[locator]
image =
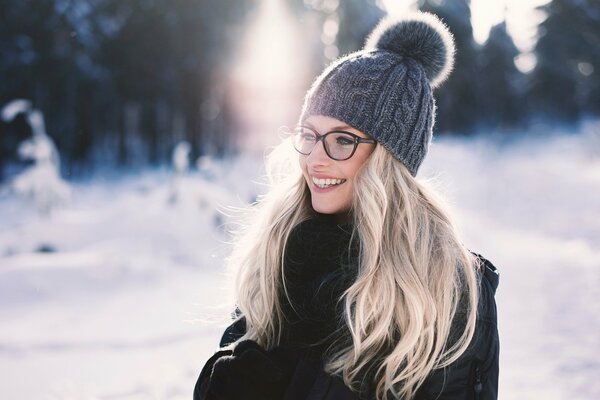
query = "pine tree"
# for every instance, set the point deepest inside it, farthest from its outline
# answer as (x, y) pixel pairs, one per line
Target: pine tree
(357, 19)
(163, 57)
(43, 57)
(344, 26)
(85, 62)
(458, 100)
(502, 83)
(566, 79)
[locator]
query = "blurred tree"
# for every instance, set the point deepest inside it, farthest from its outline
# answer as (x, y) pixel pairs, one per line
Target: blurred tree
(128, 79)
(119, 77)
(163, 59)
(503, 87)
(566, 79)
(458, 100)
(11, 134)
(357, 19)
(343, 25)
(46, 50)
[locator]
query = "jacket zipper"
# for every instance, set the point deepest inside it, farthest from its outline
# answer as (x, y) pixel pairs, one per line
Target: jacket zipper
(477, 385)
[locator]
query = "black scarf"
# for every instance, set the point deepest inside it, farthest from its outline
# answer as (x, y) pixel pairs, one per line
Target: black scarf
(320, 264)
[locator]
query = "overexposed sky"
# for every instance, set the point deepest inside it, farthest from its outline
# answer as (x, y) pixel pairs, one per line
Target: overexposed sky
(520, 15)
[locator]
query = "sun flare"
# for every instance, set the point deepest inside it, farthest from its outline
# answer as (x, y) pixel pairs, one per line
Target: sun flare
(267, 77)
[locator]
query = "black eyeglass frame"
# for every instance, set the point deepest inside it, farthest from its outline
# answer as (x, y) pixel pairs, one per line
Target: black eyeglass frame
(357, 140)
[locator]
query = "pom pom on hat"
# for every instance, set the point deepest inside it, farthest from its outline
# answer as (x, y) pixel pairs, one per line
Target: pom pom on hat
(422, 37)
(385, 89)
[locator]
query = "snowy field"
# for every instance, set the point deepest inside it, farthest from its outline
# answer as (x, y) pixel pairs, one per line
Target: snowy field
(120, 293)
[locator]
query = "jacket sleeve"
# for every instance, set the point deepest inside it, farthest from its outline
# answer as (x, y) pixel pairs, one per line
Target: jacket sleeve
(309, 381)
(486, 371)
(486, 366)
(201, 387)
(232, 333)
(474, 376)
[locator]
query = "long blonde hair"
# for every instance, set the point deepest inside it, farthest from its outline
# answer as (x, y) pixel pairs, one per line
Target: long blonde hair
(413, 272)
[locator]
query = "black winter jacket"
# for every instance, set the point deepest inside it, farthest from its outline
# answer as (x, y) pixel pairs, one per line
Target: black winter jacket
(318, 267)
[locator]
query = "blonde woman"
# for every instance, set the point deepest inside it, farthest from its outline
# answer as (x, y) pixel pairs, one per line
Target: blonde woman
(352, 282)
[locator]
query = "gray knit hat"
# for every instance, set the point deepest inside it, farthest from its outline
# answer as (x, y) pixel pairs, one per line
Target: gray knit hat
(385, 90)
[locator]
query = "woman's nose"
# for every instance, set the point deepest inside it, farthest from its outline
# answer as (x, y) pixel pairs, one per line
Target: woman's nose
(318, 155)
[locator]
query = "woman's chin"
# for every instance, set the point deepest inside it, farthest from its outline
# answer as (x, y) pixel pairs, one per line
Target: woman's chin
(329, 209)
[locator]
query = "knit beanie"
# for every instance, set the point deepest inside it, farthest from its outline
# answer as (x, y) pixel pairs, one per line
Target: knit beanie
(385, 89)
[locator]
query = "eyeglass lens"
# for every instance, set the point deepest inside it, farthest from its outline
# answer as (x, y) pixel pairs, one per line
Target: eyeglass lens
(338, 145)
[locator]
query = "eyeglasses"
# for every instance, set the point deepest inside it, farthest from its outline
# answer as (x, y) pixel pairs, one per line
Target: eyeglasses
(338, 145)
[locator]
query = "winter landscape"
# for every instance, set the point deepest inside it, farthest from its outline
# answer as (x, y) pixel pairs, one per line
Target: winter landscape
(131, 133)
(119, 292)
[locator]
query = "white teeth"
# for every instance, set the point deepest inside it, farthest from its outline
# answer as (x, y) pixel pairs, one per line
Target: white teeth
(323, 183)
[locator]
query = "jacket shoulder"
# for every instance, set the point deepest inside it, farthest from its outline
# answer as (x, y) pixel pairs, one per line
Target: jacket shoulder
(233, 332)
(489, 278)
(475, 372)
(488, 271)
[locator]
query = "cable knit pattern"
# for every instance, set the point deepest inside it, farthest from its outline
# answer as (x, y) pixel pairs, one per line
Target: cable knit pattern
(385, 90)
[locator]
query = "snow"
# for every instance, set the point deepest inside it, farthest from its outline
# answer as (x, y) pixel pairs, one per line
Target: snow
(121, 294)
(181, 157)
(41, 183)
(14, 108)
(532, 207)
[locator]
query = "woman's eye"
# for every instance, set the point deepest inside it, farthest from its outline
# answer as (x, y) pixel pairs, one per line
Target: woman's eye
(344, 140)
(308, 137)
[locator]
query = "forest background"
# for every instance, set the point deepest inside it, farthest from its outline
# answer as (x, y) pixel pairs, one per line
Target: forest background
(132, 131)
(121, 82)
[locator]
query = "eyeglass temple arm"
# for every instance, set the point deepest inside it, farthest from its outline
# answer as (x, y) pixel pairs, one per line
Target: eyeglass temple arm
(365, 140)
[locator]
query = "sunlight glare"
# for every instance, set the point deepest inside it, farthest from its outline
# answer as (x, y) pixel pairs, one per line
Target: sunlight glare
(267, 74)
(484, 15)
(269, 46)
(398, 7)
(525, 62)
(521, 18)
(522, 22)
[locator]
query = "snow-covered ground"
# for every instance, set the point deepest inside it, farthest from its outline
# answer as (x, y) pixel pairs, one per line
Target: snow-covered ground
(120, 294)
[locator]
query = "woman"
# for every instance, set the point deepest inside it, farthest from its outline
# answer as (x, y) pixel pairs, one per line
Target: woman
(352, 283)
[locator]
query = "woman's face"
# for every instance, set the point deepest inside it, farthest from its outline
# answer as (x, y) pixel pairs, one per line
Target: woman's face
(334, 197)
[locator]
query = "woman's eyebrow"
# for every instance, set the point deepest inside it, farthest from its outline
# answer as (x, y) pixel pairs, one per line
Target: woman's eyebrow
(335, 128)
(349, 129)
(341, 127)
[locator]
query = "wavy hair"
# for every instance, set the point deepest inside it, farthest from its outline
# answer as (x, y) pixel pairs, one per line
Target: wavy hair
(414, 276)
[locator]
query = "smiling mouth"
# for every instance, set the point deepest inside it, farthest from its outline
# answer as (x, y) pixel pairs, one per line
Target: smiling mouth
(325, 183)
